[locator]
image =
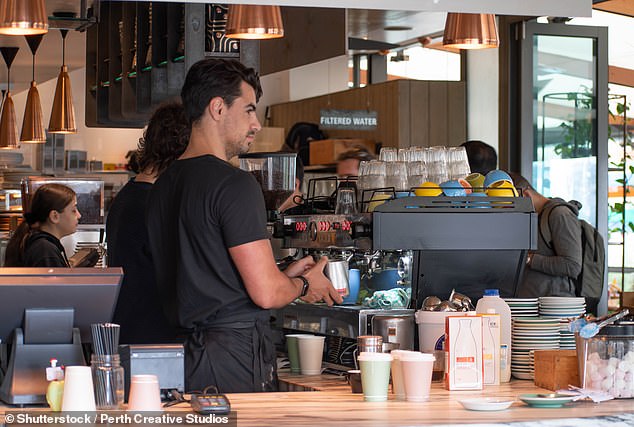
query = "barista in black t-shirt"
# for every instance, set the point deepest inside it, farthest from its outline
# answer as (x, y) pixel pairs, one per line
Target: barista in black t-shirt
(207, 226)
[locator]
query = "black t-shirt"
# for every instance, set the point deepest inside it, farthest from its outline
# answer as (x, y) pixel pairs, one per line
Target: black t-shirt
(197, 209)
(42, 249)
(139, 310)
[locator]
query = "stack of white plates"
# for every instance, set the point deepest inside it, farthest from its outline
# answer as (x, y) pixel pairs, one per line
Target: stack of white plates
(531, 333)
(566, 338)
(523, 307)
(563, 308)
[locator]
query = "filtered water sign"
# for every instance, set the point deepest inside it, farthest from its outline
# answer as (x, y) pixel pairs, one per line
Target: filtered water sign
(348, 119)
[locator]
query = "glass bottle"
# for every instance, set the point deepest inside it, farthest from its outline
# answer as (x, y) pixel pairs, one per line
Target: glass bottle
(107, 376)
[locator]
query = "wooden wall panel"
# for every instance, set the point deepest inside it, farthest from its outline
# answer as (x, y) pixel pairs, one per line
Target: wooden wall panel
(437, 119)
(310, 35)
(456, 114)
(410, 112)
(419, 114)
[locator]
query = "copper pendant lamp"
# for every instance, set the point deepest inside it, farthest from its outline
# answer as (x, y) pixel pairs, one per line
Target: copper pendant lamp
(63, 113)
(33, 123)
(470, 31)
(23, 17)
(254, 22)
(8, 123)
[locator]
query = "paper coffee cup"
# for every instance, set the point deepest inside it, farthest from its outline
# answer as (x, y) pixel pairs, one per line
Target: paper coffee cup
(79, 394)
(375, 375)
(417, 370)
(292, 349)
(398, 387)
(311, 351)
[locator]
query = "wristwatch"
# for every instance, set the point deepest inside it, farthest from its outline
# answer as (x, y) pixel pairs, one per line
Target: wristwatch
(304, 286)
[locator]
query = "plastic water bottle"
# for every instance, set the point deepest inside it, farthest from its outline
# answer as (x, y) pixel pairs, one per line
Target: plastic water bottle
(492, 301)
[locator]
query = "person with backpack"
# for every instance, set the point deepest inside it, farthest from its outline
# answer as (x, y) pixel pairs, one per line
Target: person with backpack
(556, 264)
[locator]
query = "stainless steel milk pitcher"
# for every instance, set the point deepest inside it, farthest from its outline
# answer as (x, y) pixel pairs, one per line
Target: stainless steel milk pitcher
(337, 271)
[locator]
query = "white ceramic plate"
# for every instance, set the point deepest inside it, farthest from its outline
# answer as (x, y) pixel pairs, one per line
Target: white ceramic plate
(486, 404)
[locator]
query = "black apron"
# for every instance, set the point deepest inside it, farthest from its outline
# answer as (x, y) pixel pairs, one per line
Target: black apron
(236, 357)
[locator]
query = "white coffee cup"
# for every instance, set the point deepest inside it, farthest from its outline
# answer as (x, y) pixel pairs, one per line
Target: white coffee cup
(145, 394)
(311, 351)
(398, 386)
(78, 393)
(417, 370)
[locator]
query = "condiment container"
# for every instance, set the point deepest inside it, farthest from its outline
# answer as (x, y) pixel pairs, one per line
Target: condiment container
(609, 363)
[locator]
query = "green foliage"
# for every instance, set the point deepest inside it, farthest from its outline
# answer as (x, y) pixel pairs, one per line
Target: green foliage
(577, 133)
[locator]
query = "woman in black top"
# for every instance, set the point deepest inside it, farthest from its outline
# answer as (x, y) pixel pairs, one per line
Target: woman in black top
(36, 242)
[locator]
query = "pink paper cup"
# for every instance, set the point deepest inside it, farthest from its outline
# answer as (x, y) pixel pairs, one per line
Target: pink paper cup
(417, 371)
(145, 394)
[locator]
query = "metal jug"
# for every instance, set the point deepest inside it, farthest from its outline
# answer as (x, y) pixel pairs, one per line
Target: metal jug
(337, 271)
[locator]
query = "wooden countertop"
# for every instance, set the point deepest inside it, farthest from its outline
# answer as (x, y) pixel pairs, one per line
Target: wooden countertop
(334, 405)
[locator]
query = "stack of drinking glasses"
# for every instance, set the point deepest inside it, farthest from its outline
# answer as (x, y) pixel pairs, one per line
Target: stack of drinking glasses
(401, 170)
(106, 367)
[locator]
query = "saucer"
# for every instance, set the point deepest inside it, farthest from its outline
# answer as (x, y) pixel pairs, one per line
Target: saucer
(536, 401)
(486, 404)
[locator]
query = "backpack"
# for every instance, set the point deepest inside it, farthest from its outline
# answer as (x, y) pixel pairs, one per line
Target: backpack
(589, 283)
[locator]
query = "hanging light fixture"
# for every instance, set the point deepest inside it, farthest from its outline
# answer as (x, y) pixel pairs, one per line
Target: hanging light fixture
(63, 113)
(23, 17)
(470, 31)
(254, 22)
(8, 124)
(33, 123)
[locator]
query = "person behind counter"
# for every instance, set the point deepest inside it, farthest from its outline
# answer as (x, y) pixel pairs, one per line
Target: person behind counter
(481, 156)
(36, 241)
(139, 310)
(551, 269)
(214, 265)
(348, 161)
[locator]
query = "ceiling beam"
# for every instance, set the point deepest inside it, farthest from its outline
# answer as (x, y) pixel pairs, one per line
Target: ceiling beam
(569, 8)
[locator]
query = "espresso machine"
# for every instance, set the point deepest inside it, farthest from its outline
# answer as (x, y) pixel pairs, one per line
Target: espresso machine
(319, 231)
(425, 245)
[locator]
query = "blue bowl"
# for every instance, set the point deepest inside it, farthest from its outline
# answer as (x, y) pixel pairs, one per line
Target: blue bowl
(453, 188)
(496, 175)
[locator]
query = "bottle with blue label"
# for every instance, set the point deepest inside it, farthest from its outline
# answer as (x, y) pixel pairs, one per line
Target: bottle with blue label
(492, 301)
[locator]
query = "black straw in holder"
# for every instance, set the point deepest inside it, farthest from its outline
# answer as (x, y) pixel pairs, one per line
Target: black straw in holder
(107, 371)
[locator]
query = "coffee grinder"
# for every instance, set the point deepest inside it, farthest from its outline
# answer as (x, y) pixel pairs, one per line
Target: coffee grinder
(275, 172)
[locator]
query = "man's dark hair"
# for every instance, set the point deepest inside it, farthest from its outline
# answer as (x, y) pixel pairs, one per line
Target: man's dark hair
(213, 77)
(359, 153)
(164, 139)
(482, 157)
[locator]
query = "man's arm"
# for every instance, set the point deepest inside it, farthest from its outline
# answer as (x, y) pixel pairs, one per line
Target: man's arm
(268, 287)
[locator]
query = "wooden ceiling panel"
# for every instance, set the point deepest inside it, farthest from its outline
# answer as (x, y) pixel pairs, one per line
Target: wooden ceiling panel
(622, 7)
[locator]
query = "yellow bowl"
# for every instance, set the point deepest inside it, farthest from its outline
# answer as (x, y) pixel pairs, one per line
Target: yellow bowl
(501, 189)
(428, 189)
(377, 200)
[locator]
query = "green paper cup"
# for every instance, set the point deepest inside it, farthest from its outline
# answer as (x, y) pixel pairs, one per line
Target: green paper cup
(293, 352)
(375, 375)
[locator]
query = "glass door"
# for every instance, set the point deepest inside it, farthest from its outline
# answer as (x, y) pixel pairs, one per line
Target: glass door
(564, 116)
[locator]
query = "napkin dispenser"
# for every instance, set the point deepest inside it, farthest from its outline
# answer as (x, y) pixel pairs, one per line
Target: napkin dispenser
(166, 361)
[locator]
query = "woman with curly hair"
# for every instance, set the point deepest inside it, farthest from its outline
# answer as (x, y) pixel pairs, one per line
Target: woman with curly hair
(139, 310)
(36, 242)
